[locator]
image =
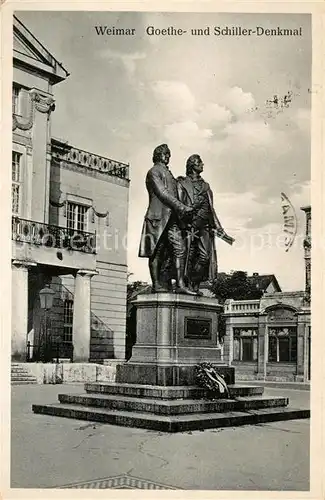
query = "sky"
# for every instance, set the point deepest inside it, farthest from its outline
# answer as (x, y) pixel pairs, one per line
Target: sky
(200, 94)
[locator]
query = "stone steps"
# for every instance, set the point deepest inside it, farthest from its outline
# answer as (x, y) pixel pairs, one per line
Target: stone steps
(171, 423)
(169, 392)
(23, 382)
(171, 407)
(21, 375)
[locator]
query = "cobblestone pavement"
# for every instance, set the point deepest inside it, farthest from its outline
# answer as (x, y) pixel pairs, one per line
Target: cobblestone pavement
(53, 452)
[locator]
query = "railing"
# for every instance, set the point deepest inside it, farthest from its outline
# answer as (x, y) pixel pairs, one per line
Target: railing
(89, 160)
(96, 324)
(99, 329)
(49, 352)
(47, 235)
(242, 306)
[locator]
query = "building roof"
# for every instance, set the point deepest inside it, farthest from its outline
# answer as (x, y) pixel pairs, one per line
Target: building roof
(263, 281)
(260, 281)
(30, 53)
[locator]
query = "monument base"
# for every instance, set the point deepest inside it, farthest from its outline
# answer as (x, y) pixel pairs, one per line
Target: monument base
(176, 329)
(157, 390)
(165, 375)
(174, 333)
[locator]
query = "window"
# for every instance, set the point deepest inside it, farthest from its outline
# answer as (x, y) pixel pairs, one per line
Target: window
(15, 99)
(282, 345)
(77, 216)
(245, 344)
(67, 320)
(16, 183)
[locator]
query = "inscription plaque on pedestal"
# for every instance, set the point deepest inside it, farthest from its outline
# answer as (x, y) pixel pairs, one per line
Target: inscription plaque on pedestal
(197, 328)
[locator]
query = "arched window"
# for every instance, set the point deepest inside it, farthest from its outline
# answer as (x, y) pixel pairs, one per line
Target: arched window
(245, 344)
(282, 345)
(282, 335)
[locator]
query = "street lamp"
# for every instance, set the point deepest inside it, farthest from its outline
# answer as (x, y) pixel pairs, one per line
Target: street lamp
(46, 298)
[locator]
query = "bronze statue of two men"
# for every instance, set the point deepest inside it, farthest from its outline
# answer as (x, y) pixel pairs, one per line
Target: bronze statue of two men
(178, 234)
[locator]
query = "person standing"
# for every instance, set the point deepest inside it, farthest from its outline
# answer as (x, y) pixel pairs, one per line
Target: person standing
(201, 257)
(162, 240)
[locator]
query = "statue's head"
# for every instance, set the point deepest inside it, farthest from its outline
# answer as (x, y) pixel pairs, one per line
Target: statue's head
(194, 164)
(161, 154)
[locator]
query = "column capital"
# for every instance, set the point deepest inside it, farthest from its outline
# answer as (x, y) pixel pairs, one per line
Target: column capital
(43, 102)
(87, 272)
(23, 263)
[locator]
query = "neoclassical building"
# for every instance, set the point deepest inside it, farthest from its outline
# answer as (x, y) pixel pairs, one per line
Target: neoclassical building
(270, 338)
(69, 225)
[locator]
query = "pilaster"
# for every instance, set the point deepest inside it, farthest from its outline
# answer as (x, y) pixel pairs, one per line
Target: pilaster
(262, 347)
(302, 357)
(228, 346)
(43, 104)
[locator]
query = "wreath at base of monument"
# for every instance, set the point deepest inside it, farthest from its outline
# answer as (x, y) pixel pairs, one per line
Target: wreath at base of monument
(209, 379)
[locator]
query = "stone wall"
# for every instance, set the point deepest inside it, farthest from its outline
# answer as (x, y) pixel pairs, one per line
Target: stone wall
(65, 373)
(277, 372)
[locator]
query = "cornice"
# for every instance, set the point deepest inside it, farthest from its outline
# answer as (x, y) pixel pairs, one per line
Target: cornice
(81, 169)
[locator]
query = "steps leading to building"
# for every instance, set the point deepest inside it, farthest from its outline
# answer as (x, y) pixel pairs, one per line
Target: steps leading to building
(21, 375)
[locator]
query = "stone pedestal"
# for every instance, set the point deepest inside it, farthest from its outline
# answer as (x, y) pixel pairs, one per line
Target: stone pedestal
(174, 333)
(157, 390)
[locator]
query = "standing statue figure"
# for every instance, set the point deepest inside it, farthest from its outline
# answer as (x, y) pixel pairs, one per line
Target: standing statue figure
(201, 257)
(162, 239)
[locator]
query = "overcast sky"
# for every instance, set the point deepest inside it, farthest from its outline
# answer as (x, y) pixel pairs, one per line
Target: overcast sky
(206, 95)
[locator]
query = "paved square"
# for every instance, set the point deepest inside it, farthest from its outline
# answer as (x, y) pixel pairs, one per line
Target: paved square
(53, 452)
(120, 482)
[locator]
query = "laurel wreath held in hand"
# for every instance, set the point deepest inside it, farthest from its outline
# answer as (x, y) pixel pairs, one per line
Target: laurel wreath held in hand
(207, 377)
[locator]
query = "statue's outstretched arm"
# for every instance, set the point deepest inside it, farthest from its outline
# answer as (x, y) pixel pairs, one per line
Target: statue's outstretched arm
(221, 233)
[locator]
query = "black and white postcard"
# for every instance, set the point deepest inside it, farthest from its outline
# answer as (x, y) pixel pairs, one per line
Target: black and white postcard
(163, 231)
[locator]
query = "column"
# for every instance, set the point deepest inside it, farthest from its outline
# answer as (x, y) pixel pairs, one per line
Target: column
(301, 350)
(19, 304)
(228, 345)
(262, 348)
(81, 316)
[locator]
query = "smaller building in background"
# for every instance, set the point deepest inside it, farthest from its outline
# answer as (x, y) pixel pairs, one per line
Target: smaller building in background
(270, 338)
(266, 283)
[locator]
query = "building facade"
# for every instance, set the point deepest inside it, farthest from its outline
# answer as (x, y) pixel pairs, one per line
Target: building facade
(69, 226)
(270, 338)
(307, 250)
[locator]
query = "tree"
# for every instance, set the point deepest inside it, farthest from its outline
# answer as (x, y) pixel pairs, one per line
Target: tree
(131, 318)
(133, 287)
(235, 286)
